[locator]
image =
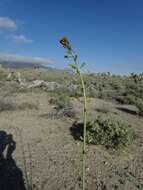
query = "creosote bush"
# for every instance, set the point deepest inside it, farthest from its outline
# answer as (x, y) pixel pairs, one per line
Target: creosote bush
(110, 133)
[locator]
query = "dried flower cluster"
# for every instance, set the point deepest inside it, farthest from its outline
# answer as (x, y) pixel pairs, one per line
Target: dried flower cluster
(66, 44)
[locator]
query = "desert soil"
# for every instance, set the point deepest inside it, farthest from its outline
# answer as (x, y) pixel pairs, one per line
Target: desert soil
(46, 148)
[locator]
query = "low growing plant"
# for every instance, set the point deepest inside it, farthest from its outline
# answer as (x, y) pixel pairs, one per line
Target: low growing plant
(110, 133)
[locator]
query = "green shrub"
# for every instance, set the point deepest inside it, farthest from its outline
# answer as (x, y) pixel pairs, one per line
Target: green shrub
(104, 108)
(110, 133)
(130, 99)
(107, 94)
(134, 89)
(139, 104)
(126, 99)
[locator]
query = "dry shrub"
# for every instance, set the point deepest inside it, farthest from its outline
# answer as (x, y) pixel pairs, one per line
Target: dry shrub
(63, 106)
(7, 105)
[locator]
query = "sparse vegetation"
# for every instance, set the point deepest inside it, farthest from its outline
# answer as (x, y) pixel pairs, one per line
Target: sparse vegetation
(111, 87)
(66, 124)
(112, 91)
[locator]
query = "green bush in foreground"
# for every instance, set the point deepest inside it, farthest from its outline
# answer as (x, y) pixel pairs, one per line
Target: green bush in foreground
(110, 133)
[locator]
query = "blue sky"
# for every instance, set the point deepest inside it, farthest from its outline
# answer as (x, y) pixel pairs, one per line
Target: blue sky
(107, 34)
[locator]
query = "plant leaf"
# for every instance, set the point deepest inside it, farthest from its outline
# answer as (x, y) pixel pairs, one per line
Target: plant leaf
(73, 66)
(75, 58)
(82, 65)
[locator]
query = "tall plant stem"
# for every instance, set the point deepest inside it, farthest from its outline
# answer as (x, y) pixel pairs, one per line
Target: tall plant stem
(72, 54)
(84, 131)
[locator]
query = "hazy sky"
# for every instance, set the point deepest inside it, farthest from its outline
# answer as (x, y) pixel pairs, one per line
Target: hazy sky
(108, 34)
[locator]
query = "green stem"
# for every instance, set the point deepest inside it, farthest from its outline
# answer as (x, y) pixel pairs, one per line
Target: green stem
(84, 130)
(84, 121)
(72, 54)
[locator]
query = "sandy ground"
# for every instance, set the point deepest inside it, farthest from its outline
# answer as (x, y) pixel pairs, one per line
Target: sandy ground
(46, 148)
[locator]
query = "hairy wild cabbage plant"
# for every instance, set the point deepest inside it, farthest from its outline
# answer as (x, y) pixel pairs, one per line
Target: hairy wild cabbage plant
(71, 54)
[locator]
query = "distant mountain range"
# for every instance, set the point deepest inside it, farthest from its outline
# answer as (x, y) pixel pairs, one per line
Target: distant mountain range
(21, 65)
(19, 62)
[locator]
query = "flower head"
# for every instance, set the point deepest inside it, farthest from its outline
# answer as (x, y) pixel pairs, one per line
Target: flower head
(65, 42)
